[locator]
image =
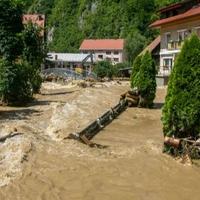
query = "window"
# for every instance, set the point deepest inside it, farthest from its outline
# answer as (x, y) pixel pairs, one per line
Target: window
(197, 30)
(100, 56)
(167, 37)
(167, 63)
(183, 34)
(116, 59)
(116, 52)
(108, 52)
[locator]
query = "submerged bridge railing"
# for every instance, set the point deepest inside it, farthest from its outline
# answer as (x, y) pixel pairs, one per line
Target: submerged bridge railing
(68, 74)
(87, 134)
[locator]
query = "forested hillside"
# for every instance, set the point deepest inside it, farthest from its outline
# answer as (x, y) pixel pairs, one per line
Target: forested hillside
(73, 20)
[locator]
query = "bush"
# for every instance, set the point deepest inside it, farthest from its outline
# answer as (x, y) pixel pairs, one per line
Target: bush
(7, 75)
(15, 82)
(181, 112)
(105, 69)
(144, 79)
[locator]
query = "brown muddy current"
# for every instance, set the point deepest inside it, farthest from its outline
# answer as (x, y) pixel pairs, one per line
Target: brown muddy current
(41, 165)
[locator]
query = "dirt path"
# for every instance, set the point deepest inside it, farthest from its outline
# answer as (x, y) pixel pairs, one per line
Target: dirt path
(131, 167)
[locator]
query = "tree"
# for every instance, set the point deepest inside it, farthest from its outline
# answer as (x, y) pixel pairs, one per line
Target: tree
(10, 28)
(21, 54)
(145, 79)
(15, 82)
(104, 69)
(135, 70)
(33, 53)
(135, 42)
(181, 111)
(75, 20)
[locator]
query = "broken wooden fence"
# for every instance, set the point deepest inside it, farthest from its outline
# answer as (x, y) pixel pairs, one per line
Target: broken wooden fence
(87, 134)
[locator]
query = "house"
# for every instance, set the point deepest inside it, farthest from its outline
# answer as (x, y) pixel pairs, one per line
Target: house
(36, 19)
(69, 60)
(105, 49)
(177, 22)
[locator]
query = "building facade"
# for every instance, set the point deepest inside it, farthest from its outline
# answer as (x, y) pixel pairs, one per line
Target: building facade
(105, 49)
(69, 61)
(177, 23)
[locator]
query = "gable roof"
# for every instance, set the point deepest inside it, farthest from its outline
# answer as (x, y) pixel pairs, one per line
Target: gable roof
(190, 13)
(103, 44)
(152, 45)
(68, 57)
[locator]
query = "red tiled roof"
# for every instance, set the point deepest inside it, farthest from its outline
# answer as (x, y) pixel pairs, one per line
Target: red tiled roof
(104, 44)
(190, 13)
(37, 19)
(152, 46)
(170, 7)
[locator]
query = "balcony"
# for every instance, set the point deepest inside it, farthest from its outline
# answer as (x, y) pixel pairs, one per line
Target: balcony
(164, 71)
(175, 45)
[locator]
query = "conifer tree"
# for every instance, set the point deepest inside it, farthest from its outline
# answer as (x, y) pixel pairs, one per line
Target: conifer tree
(145, 79)
(135, 70)
(181, 112)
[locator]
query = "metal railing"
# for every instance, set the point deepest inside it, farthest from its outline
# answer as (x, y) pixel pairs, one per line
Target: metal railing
(175, 45)
(164, 70)
(69, 74)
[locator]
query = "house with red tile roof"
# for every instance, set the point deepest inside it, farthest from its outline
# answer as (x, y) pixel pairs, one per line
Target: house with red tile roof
(105, 49)
(36, 19)
(177, 22)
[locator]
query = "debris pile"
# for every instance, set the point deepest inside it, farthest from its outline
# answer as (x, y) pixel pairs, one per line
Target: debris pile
(184, 146)
(132, 98)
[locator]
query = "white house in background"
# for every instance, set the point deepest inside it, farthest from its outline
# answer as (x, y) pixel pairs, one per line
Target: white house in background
(69, 60)
(105, 49)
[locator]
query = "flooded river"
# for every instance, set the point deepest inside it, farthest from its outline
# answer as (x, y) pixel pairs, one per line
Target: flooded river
(131, 165)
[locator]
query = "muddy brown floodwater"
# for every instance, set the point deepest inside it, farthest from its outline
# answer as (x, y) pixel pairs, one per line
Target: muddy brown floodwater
(40, 165)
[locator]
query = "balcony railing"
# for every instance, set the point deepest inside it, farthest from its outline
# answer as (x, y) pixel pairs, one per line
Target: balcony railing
(164, 70)
(175, 45)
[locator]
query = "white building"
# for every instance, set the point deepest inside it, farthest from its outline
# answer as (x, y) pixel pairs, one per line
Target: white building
(105, 49)
(69, 60)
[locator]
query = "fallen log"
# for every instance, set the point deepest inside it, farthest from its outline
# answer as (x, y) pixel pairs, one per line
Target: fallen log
(132, 102)
(123, 96)
(132, 96)
(172, 142)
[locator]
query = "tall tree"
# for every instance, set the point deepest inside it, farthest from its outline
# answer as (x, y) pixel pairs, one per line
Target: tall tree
(181, 111)
(10, 27)
(145, 79)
